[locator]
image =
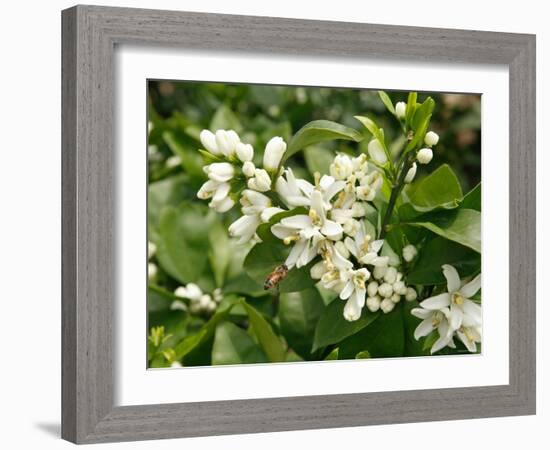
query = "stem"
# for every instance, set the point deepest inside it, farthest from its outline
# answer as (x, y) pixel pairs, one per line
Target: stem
(396, 190)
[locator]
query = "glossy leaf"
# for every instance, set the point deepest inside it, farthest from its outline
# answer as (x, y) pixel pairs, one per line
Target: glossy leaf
(440, 189)
(299, 313)
(333, 328)
(439, 251)
(319, 131)
(472, 200)
(318, 159)
(460, 225)
(387, 101)
(270, 343)
(233, 345)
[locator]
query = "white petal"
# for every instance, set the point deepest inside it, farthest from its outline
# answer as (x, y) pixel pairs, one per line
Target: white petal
(295, 253)
(472, 310)
(221, 192)
(305, 186)
(268, 213)
(297, 222)
(352, 311)
(281, 231)
(351, 246)
(421, 313)
(440, 343)
(470, 345)
(470, 289)
(423, 329)
(453, 280)
(333, 189)
(437, 302)
(375, 246)
(317, 204)
(347, 291)
(455, 318)
(331, 229)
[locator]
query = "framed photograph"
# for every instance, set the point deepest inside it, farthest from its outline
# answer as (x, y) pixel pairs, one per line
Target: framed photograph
(277, 224)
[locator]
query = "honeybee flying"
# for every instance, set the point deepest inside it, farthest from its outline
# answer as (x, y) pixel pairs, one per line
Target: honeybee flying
(275, 277)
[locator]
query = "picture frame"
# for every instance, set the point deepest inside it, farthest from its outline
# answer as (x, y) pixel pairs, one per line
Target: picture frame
(89, 37)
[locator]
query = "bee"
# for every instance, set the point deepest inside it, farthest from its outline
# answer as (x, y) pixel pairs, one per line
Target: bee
(275, 277)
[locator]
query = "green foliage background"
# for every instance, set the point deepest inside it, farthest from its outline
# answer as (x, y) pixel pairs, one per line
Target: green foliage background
(249, 324)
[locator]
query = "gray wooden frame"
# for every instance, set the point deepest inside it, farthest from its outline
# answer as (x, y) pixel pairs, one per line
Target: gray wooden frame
(90, 34)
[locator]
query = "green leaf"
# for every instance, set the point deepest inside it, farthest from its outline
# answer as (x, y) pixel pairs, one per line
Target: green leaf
(440, 189)
(421, 114)
(159, 299)
(472, 200)
(266, 256)
(377, 133)
(232, 345)
(299, 313)
(384, 338)
(387, 101)
(219, 253)
(333, 328)
(318, 159)
(225, 119)
(183, 240)
(319, 131)
(411, 107)
(459, 225)
(191, 160)
(439, 251)
(269, 341)
(387, 250)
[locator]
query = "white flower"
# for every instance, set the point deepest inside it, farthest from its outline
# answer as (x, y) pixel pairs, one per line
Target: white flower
(399, 287)
(273, 154)
(387, 305)
(431, 139)
(372, 289)
(463, 311)
(400, 109)
(260, 182)
(151, 249)
(328, 187)
(227, 141)
(221, 201)
(290, 191)
(342, 167)
(369, 184)
(434, 320)
(307, 231)
(365, 250)
(373, 303)
(340, 247)
(245, 152)
(244, 227)
(351, 227)
(249, 169)
(411, 173)
(173, 161)
(410, 295)
(409, 252)
(376, 151)
(379, 272)
(220, 172)
(469, 336)
(333, 270)
(354, 292)
(208, 140)
(424, 155)
(178, 305)
(253, 202)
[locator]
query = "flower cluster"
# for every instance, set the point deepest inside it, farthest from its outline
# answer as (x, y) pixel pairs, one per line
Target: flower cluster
(199, 301)
(451, 313)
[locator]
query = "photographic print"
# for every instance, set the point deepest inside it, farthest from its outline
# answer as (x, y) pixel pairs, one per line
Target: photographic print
(292, 223)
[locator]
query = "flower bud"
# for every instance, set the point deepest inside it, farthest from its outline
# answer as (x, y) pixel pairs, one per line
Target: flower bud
(376, 151)
(226, 142)
(379, 272)
(365, 193)
(245, 152)
(373, 303)
(409, 252)
(223, 206)
(204, 301)
(248, 169)
(352, 311)
(342, 167)
(431, 139)
(220, 172)
(208, 141)
(410, 295)
(395, 297)
(385, 290)
(273, 154)
(358, 210)
(351, 227)
(424, 155)
(387, 306)
(372, 289)
(400, 109)
(391, 275)
(151, 249)
(399, 288)
(410, 174)
(151, 270)
(260, 182)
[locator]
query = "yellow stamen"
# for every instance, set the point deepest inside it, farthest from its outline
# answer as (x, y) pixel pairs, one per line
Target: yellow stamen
(457, 298)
